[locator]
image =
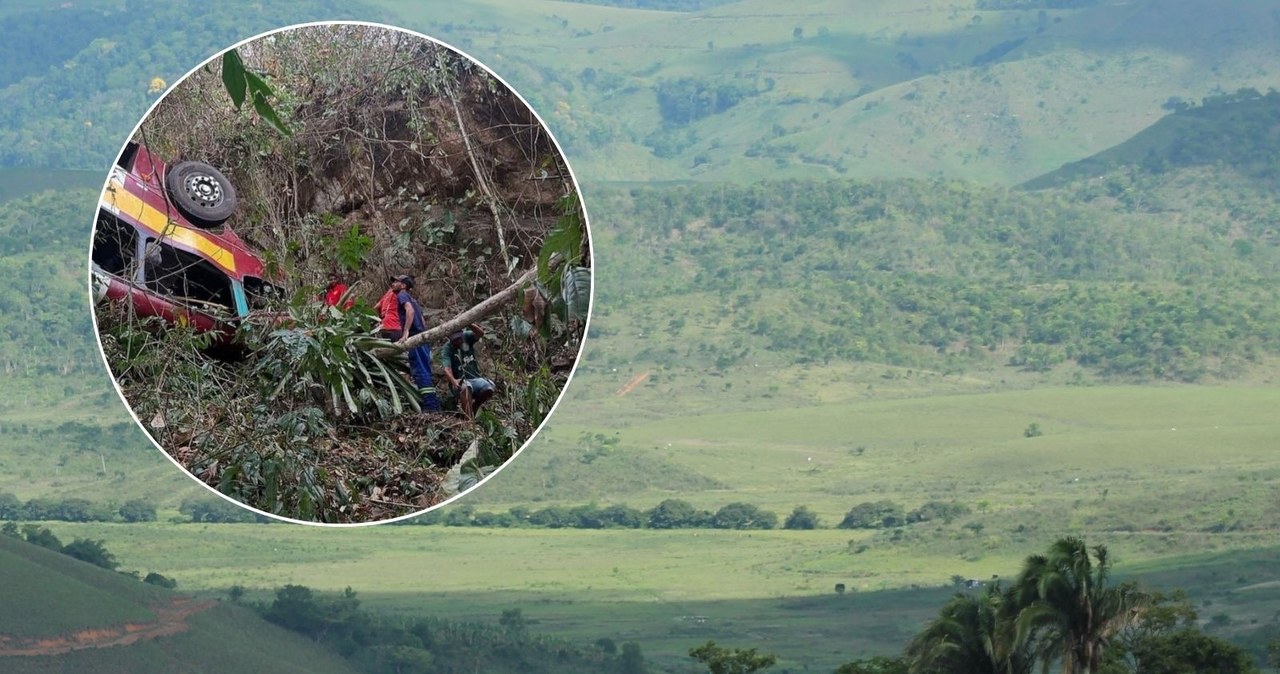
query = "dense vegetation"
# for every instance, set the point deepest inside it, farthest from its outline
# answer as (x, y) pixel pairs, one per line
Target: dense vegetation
(1063, 609)
(56, 93)
(45, 327)
(943, 275)
(1236, 130)
(376, 643)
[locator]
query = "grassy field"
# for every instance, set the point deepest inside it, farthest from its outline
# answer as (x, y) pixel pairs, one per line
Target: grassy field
(60, 438)
(1104, 467)
(668, 590)
(1105, 451)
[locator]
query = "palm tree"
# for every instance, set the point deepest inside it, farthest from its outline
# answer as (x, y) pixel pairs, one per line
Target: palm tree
(970, 636)
(1065, 609)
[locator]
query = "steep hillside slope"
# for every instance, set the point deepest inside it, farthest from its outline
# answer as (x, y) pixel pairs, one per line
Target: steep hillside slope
(78, 617)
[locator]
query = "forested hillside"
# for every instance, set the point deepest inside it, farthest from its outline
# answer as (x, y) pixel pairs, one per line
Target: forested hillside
(56, 94)
(945, 275)
(62, 429)
(43, 309)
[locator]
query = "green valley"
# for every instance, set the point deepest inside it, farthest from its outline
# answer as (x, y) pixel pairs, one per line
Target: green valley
(1017, 262)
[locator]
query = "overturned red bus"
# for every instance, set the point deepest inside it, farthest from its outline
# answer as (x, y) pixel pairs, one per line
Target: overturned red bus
(160, 245)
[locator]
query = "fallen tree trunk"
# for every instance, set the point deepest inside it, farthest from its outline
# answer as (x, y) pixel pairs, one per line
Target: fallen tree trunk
(480, 311)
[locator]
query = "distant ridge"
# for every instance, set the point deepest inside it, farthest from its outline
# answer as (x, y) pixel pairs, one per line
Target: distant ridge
(1240, 130)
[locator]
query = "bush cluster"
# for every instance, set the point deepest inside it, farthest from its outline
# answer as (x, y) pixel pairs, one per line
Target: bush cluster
(680, 514)
(75, 510)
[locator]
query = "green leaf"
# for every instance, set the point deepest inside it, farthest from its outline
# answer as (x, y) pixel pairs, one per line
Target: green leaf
(268, 113)
(233, 77)
(257, 85)
(351, 403)
(353, 247)
(396, 406)
(575, 290)
(565, 239)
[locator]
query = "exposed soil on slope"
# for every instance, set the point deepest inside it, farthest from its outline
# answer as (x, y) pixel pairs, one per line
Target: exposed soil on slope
(171, 619)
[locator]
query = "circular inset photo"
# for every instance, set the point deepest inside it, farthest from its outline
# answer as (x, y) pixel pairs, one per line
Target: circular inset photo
(341, 273)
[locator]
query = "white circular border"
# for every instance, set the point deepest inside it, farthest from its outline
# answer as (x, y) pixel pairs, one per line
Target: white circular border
(585, 328)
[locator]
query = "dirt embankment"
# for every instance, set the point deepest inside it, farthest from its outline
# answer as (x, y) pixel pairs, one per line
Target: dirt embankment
(171, 619)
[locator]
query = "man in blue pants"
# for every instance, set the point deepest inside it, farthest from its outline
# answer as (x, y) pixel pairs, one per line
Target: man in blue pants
(411, 323)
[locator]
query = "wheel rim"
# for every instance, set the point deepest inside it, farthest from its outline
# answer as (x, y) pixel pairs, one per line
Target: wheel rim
(203, 189)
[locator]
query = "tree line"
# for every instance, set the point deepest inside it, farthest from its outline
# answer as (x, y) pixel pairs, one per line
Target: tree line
(669, 514)
(76, 509)
(680, 514)
(375, 643)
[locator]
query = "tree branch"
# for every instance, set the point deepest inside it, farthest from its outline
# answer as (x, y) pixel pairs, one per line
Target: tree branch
(476, 313)
(481, 180)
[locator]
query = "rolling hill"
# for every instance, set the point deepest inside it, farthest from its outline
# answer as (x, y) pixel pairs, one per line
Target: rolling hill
(919, 88)
(78, 617)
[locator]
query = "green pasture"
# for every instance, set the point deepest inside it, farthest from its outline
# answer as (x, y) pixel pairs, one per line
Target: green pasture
(59, 594)
(668, 590)
(1115, 449)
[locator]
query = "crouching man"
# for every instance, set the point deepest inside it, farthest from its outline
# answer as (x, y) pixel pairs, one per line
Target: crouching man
(463, 372)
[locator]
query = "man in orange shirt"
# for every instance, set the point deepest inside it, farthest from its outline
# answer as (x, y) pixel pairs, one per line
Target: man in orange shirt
(389, 311)
(409, 318)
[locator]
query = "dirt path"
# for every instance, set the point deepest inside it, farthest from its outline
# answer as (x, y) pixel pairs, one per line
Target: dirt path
(171, 619)
(635, 381)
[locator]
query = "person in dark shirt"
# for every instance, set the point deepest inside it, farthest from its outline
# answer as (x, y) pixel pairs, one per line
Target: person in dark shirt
(411, 323)
(463, 372)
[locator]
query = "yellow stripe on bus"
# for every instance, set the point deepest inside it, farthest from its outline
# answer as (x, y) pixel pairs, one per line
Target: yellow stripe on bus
(122, 201)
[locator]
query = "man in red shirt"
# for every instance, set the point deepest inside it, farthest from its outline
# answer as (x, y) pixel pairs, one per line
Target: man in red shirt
(334, 292)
